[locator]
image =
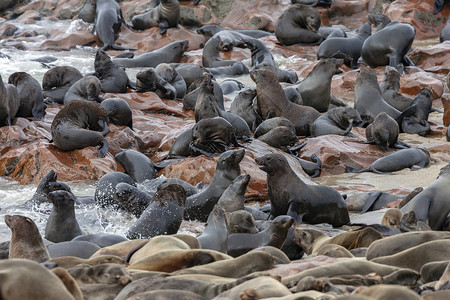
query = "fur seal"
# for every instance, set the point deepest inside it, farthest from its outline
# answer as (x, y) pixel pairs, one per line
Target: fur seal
(108, 20)
(298, 24)
(274, 235)
(148, 80)
(242, 106)
(168, 54)
(338, 121)
(155, 245)
(113, 79)
(181, 145)
(215, 234)
(57, 81)
(368, 100)
(26, 241)
(199, 206)
(132, 199)
(289, 195)
(80, 124)
(190, 99)
(9, 103)
(415, 117)
(430, 205)
(30, 95)
(272, 102)
(137, 165)
(348, 49)
(171, 75)
(107, 273)
(392, 291)
(272, 123)
(241, 221)
(81, 249)
(106, 188)
(211, 29)
(221, 42)
(233, 197)
(189, 188)
(388, 46)
(87, 13)
(445, 32)
(390, 90)
(119, 111)
(396, 161)
(409, 223)
(280, 137)
(101, 239)
(383, 132)
(392, 217)
(62, 224)
(205, 106)
(163, 214)
(333, 250)
(165, 15)
(87, 88)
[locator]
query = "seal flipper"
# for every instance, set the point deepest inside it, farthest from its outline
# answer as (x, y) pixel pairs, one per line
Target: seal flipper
(373, 197)
(163, 26)
(401, 145)
(349, 169)
(104, 146)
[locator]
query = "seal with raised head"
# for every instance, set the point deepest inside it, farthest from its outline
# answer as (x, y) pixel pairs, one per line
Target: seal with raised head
(163, 214)
(415, 117)
(113, 79)
(233, 197)
(9, 103)
(396, 161)
(289, 195)
(368, 100)
(409, 223)
(431, 205)
(388, 46)
(80, 124)
(166, 15)
(205, 106)
(348, 49)
(199, 206)
(119, 111)
(170, 53)
(390, 90)
(57, 81)
(87, 88)
(383, 132)
(299, 24)
(242, 106)
(30, 95)
(338, 121)
(62, 224)
(108, 20)
(215, 234)
(274, 235)
(26, 241)
(272, 102)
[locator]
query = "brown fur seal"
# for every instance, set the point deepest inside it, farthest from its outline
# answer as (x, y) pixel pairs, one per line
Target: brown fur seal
(368, 100)
(233, 197)
(263, 287)
(241, 221)
(274, 235)
(87, 13)
(431, 205)
(289, 195)
(166, 15)
(215, 234)
(272, 123)
(205, 106)
(390, 90)
(390, 291)
(333, 250)
(171, 75)
(113, 79)
(57, 81)
(26, 241)
(156, 244)
(383, 131)
(69, 282)
(415, 117)
(193, 92)
(87, 88)
(315, 89)
(107, 273)
(335, 121)
(62, 224)
(409, 223)
(80, 124)
(119, 111)
(163, 214)
(272, 102)
(105, 191)
(68, 262)
(121, 250)
(149, 80)
(137, 165)
(280, 137)
(9, 103)
(30, 95)
(298, 24)
(392, 217)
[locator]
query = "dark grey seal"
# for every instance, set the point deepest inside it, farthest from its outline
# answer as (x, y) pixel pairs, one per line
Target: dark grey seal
(119, 111)
(415, 117)
(57, 81)
(30, 95)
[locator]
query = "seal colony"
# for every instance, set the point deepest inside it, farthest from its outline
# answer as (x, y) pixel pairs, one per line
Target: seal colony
(281, 250)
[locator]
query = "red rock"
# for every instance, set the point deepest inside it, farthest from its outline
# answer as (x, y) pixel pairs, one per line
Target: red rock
(433, 59)
(410, 84)
(446, 103)
(67, 41)
(29, 17)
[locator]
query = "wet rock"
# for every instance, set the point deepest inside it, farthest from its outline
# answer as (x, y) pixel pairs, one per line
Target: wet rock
(8, 30)
(433, 59)
(69, 40)
(29, 17)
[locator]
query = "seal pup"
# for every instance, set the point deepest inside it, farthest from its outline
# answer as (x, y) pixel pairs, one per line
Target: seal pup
(30, 95)
(62, 224)
(233, 197)
(243, 106)
(289, 195)
(298, 24)
(338, 121)
(272, 102)
(9, 103)
(272, 123)
(383, 132)
(211, 29)
(171, 75)
(409, 223)
(26, 241)
(348, 49)
(57, 81)
(389, 45)
(105, 190)
(137, 165)
(164, 16)
(80, 124)
(163, 214)
(119, 112)
(241, 221)
(108, 20)
(215, 234)
(392, 217)
(415, 117)
(200, 205)
(396, 161)
(274, 235)
(368, 100)
(281, 137)
(131, 199)
(431, 205)
(170, 53)
(112, 78)
(87, 88)
(149, 80)
(390, 90)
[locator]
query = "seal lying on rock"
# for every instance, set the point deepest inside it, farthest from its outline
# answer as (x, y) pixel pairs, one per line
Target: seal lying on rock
(338, 120)
(57, 81)
(87, 88)
(289, 195)
(165, 15)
